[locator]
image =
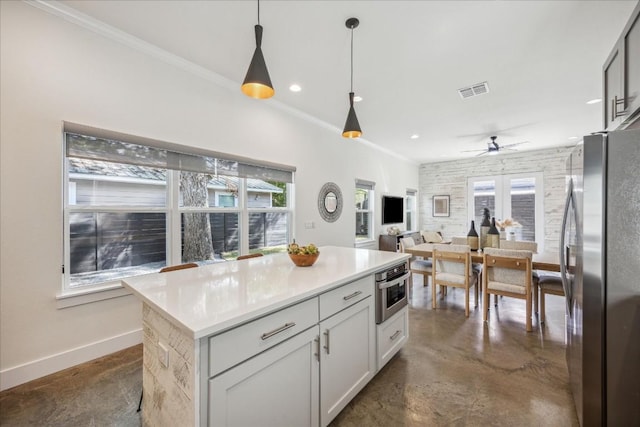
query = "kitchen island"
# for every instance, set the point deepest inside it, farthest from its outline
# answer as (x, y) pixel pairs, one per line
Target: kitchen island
(242, 342)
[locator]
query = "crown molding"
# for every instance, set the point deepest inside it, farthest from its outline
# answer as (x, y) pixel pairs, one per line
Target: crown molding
(78, 18)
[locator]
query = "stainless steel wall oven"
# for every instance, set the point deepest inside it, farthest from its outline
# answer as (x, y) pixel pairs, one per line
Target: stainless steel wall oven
(392, 289)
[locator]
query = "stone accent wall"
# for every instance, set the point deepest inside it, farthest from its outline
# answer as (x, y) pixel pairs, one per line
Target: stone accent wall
(451, 178)
(170, 397)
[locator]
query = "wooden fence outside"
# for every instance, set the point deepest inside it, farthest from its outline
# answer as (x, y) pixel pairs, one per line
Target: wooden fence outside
(105, 240)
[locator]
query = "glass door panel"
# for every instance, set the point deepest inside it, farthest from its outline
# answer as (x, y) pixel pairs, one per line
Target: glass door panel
(518, 198)
(484, 196)
(522, 206)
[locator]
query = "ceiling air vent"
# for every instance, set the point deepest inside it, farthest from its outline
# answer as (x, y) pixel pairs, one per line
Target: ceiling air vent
(474, 90)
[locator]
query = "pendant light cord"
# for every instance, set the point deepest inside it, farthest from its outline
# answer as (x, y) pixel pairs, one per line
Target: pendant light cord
(351, 58)
(258, 12)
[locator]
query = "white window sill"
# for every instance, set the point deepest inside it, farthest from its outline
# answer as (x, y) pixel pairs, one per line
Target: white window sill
(72, 298)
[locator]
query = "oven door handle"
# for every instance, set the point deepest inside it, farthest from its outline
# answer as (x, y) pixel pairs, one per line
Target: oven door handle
(394, 282)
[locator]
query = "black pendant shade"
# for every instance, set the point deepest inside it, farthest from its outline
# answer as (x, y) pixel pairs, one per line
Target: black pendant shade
(257, 83)
(351, 126)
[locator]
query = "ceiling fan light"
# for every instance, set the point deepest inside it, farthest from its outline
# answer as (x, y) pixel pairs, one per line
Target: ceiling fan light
(257, 83)
(351, 126)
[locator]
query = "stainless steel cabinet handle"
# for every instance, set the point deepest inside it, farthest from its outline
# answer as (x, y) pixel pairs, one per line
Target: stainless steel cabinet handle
(566, 286)
(353, 295)
(394, 282)
(282, 328)
(317, 341)
(394, 336)
(326, 334)
(614, 108)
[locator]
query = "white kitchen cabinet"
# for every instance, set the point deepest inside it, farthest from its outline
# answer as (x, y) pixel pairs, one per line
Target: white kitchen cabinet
(621, 77)
(239, 344)
(347, 360)
(392, 336)
(276, 388)
(244, 339)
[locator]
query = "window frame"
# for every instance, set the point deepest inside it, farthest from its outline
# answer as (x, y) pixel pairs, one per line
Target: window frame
(502, 208)
(172, 210)
(411, 203)
(369, 186)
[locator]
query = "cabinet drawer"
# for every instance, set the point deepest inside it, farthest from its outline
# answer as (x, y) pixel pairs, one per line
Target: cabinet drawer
(392, 335)
(333, 301)
(239, 344)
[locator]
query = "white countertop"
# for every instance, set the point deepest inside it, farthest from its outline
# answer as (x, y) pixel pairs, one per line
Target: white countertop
(215, 297)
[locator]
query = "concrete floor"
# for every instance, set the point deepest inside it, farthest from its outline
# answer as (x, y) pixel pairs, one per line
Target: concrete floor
(453, 371)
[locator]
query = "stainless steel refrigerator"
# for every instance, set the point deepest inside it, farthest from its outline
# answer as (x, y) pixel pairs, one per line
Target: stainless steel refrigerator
(600, 268)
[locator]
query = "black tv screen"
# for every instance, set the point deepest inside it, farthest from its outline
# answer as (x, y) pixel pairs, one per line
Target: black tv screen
(392, 210)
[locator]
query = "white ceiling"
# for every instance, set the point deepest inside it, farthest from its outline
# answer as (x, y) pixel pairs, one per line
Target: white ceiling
(542, 61)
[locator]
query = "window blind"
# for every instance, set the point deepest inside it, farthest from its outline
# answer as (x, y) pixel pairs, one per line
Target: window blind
(365, 185)
(98, 144)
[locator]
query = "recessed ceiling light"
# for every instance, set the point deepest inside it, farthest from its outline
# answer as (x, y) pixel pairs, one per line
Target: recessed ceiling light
(415, 136)
(357, 98)
(574, 137)
(295, 88)
(594, 101)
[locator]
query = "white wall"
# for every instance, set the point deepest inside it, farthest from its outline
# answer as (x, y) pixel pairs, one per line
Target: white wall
(451, 178)
(53, 70)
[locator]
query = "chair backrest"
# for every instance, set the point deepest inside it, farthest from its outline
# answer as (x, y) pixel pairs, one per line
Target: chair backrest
(522, 245)
(406, 242)
(257, 254)
(509, 266)
(452, 259)
(431, 236)
(178, 267)
(459, 240)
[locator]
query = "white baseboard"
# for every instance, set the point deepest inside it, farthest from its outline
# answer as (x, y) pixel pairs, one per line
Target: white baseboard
(21, 374)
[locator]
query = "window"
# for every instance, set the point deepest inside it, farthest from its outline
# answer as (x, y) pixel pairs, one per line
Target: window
(519, 197)
(134, 205)
(410, 209)
(364, 211)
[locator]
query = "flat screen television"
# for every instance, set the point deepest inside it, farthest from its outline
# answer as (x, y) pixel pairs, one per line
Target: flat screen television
(392, 210)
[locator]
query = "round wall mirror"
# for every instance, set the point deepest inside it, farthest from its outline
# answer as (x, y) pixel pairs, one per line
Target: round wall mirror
(330, 202)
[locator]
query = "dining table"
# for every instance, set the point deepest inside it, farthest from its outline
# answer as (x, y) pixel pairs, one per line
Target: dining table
(548, 261)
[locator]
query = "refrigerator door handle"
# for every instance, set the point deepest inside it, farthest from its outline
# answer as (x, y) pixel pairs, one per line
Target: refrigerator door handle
(563, 255)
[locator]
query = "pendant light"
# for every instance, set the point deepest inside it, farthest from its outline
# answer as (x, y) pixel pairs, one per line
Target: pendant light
(352, 127)
(257, 83)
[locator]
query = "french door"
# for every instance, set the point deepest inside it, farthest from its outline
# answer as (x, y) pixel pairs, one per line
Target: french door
(519, 197)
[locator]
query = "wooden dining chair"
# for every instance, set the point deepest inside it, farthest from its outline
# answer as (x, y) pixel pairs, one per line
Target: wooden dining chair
(507, 273)
(416, 265)
(476, 266)
(524, 245)
(452, 267)
(519, 245)
(257, 254)
(178, 267)
(549, 283)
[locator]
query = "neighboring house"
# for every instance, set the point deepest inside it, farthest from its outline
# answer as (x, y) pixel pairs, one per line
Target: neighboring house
(102, 183)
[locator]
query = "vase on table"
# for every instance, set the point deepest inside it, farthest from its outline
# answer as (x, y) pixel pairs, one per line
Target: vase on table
(493, 235)
(472, 237)
(484, 227)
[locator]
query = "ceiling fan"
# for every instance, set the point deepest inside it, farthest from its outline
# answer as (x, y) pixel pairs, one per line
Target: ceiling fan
(494, 148)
